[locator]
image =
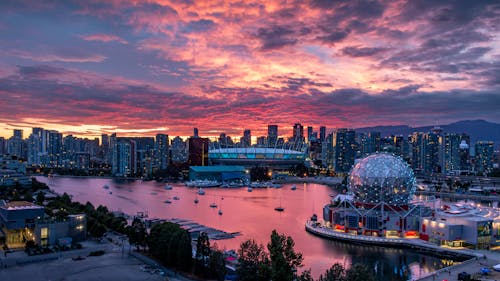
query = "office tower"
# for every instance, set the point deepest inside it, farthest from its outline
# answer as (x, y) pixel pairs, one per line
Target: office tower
(272, 135)
(18, 134)
(484, 156)
(195, 133)
(198, 151)
(246, 140)
(179, 150)
(451, 153)
(344, 149)
(161, 151)
(322, 133)
(398, 142)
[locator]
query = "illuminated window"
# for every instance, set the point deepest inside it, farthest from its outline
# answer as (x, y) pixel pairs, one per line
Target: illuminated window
(44, 233)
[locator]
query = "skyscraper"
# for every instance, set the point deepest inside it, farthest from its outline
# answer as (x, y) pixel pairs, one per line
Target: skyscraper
(161, 151)
(322, 133)
(198, 151)
(451, 153)
(195, 133)
(417, 153)
(484, 156)
(179, 150)
(431, 153)
(344, 149)
(309, 133)
(272, 135)
(246, 140)
(298, 134)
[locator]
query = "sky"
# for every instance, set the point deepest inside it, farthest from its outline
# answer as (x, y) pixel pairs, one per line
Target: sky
(148, 67)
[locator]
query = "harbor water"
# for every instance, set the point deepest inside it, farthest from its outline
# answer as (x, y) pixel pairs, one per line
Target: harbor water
(253, 215)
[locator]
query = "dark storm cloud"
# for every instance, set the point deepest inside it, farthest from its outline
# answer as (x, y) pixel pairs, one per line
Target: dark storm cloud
(354, 51)
(334, 36)
(275, 37)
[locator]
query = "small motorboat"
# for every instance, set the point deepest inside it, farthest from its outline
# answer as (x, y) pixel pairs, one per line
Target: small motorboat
(279, 209)
(213, 205)
(176, 198)
(249, 189)
(294, 187)
(220, 212)
(168, 187)
(196, 201)
(167, 201)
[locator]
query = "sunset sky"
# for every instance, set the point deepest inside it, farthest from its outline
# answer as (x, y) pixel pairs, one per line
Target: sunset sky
(147, 67)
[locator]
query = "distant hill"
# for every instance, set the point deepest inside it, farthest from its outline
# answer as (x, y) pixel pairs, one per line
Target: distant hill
(477, 129)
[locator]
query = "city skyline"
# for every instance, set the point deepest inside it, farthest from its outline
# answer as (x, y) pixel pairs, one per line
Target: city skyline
(166, 67)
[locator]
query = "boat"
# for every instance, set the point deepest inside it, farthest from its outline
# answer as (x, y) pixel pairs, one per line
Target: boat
(167, 201)
(213, 205)
(201, 191)
(280, 208)
(249, 189)
(176, 198)
(196, 201)
(110, 192)
(294, 187)
(168, 187)
(220, 212)
(106, 186)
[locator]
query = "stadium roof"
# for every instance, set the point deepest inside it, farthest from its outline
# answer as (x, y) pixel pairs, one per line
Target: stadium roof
(255, 150)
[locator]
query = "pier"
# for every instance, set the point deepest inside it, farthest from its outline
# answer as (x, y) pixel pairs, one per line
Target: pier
(195, 229)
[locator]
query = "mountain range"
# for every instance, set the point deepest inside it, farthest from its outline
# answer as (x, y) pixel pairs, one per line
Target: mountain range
(478, 130)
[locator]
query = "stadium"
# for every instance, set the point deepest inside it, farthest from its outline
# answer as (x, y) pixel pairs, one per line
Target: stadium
(256, 156)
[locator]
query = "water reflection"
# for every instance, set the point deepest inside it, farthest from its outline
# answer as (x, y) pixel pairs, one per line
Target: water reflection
(252, 214)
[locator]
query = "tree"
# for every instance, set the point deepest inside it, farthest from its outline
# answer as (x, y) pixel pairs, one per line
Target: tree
(40, 197)
(359, 272)
(305, 276)
(253, 262)
(137, 233)
(202, 254)
(217, 265)
(284, 259)
(335, 273)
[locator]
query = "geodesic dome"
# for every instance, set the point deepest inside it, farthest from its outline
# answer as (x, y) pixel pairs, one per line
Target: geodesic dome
(382, 178)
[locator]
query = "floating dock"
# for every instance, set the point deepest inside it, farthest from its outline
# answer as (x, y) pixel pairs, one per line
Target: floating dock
(195, 229)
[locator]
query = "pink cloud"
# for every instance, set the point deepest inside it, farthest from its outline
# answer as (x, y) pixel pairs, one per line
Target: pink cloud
(103, 38)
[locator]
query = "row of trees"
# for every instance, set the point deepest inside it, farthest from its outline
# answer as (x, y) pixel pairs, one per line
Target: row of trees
(280, 263)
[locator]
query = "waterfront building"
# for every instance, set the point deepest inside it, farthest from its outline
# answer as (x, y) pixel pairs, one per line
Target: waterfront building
(256, 156)
(17, 221)
(198, 151)
(105, 148)
(123, 164)
(219, 174)
(379, 202)
(484, 156)
(13, 171)
(344, 143)
(272, 135)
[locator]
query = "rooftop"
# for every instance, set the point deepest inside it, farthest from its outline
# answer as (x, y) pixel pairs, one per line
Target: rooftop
(19, 205)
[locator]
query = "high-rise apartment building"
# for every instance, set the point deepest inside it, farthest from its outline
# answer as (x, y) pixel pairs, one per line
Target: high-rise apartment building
(272, 135)
(179, 150)
(345, 150)
(451, 153)
(484, 156)
(161, 151)
(322, 133)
